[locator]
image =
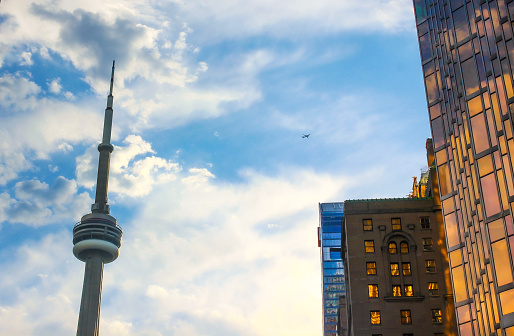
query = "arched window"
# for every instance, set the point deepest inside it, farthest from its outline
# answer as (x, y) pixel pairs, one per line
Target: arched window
(392, 248)
(404, 247)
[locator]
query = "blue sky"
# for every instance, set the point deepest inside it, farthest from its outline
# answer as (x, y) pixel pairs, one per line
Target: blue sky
(211, 180)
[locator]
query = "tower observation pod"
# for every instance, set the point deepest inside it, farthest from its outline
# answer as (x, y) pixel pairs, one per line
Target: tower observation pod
(97, 237)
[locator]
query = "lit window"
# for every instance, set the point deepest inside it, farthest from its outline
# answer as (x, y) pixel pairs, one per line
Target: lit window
(433, 288)
(406, 269)
(437, 317)
(430, 266)
(397, 290)
(395, 269)
(369, 246)
(392, 248)
(396, 223)
(371, 268)
(406, 317)
(404, 247)
(425, 222)
(409, 290)
(367, 225)
(373, 291)
(428, 244)
(375, 316)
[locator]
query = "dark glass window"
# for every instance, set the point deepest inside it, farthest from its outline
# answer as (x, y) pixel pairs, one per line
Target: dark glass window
(367, 225)
(437, 317)
(406, 317)
(461, 24)
(431, 87)
(469, 73)
(490, 195)
(433, 288)
(425, 222)
(420, 10)
(479, 131)
(438, 132)
(428, 244)
(430, 266)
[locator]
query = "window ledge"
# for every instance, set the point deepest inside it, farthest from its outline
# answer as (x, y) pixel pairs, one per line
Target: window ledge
(404, 298)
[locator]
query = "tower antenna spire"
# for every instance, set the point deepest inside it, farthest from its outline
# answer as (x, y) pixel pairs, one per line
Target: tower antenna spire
(105, 148)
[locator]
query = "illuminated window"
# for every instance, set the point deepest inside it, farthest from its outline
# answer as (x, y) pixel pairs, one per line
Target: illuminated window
(397, 290)
(395, 269)
(433, 288)
(406, 317)
(375, 316)
(367, 225)
(392, 248)
(409, 290)
(406, 269)
(396, 223)
(404, 247)
(437, 317)
(425, 222)
(373, 291)
(371, 268)
(428, 244)
(369, 246)
(430, 266)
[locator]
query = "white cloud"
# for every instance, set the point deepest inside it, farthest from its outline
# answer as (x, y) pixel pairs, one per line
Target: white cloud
(26, 58)
(132, 172)
(55, 86)
(36, 203)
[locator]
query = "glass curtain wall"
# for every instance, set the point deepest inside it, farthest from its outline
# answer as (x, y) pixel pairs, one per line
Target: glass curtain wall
(467, 55)
(331, 215)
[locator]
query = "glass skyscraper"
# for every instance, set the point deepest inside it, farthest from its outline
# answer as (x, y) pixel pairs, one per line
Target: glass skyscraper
(329, 240)
(467, 55)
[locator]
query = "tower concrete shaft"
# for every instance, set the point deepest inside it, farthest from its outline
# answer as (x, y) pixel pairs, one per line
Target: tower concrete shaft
(97, 237)
(89, 316)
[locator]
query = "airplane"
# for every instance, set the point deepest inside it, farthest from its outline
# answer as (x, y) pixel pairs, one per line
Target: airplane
(305, 136)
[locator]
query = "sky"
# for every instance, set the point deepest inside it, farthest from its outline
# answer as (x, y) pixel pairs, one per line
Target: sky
(211, 180)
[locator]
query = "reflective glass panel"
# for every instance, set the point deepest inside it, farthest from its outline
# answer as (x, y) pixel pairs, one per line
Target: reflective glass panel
(501, 263)
(470, 76)
(507, 301)
(490, 195)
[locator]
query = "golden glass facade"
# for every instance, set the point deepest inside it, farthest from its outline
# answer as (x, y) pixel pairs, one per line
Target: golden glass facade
(467, 54)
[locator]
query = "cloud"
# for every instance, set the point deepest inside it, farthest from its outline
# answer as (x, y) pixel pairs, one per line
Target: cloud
(36, 203)
(132, 172)
(55, 86)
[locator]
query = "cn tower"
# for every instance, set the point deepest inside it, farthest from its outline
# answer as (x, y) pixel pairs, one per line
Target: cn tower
(97, 237)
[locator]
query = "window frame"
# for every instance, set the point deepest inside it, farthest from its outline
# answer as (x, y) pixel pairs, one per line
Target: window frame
(367, 226)
(430, 269)
(433, 291)
(392, 248)
(371, 246)
(406, 266)
(406, 316)
(424, 225)
(396, 226)
(404, 248)
(377, 315)
(373, 291)
(397, 289)
(397, 269)
(428, 247)
(411, 290)
(437, 316)
(368, 268)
